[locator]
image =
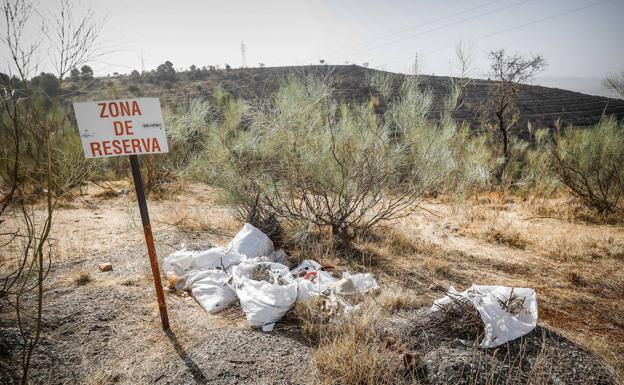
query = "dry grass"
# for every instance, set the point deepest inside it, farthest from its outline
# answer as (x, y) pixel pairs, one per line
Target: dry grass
(191, 221)
(571, 210)
(393, 299)
(505, 236)
(82, 278)
(574, 248)
(349, 360)
(577, 269)
(350, 350)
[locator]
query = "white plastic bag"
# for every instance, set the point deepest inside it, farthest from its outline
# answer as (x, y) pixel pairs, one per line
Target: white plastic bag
(210, 288)
(277, 256)
(183, 261)
(503, 323)
(179, 262)
(314, 283)
(264, 303)
(305, 266)
(250, 243)
(216, 257)
(355, 283)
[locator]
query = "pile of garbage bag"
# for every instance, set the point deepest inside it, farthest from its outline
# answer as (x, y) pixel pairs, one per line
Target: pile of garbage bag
(250, 270)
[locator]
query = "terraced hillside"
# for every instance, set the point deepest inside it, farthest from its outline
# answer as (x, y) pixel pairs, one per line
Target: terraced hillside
(542, 106)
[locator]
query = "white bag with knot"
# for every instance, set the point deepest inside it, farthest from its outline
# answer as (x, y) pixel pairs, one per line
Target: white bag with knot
(264, 303)
(250, 243)
(507, 313)
(210, 288)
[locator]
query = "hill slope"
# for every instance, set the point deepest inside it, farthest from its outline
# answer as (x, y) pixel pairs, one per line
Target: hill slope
(542, 106)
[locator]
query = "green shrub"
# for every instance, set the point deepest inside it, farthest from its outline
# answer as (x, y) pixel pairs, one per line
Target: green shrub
(590, 162)
(537, 176)
(312, 161)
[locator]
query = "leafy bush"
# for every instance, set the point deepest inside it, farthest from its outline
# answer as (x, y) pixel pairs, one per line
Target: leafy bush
(590, 162)
(315, 162)
(535, 175)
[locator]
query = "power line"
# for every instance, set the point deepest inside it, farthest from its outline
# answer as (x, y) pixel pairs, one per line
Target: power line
(506, 30)
(434, 29)
(330, 53)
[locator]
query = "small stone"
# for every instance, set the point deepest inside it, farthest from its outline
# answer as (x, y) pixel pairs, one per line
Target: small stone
(107, 266)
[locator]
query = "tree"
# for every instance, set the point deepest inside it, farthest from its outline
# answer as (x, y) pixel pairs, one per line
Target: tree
(615, 83)
(86, 72)
(135, 76)
(34, 163)
(166, 72)
(510, 72)
(47, 83)
(228, 67)
(195, 73)
(74, 74)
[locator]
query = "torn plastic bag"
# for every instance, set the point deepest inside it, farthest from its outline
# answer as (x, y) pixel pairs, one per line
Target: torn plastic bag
(355, 283)
(251, 243)
(314, 283)
(264, 303)
(507, 313)
(305, 266)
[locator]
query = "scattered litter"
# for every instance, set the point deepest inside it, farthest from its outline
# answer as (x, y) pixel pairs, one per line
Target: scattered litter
(507, 313)
(305, 266)
(107, 266)
(355, 284)
(249, 268)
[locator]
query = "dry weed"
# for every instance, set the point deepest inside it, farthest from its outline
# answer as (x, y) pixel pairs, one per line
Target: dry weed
(348, 360)
(393, 300)
(350, 349)
(82, 278)
(439, 268)
(566, 247)
(197, 220)
(576, 279)
(505, 236)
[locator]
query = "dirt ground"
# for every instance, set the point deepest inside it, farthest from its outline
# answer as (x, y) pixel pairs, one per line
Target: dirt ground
(105, 328)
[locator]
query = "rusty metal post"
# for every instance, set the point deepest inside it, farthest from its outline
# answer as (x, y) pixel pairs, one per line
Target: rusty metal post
(149, 239)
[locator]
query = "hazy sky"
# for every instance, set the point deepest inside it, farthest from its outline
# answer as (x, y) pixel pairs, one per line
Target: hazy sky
(577, 43)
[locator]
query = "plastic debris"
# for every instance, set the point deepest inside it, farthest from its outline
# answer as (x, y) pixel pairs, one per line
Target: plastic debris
(251, 243)
(507, 313)
(264, 303)
(210, 288)
(249, 268)
(355, 284)
(315, 283)
(305, 266)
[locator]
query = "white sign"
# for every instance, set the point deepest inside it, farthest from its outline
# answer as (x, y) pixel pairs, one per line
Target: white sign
(121, 127)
